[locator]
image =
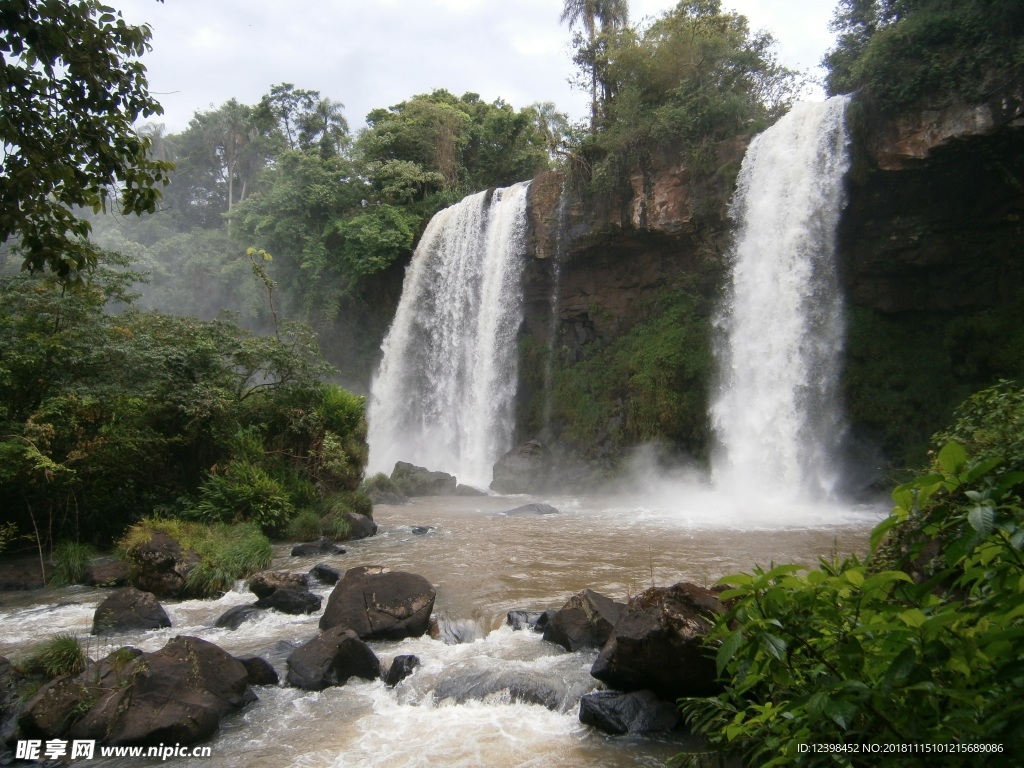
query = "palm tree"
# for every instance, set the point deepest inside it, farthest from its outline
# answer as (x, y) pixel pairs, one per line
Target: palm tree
(609, 15)
(326, 124)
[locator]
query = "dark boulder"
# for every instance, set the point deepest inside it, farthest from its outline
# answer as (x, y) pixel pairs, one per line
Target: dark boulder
(160, 565)
(260, 671)
(418, 481)
(401, 667)
(359, 526)
(422, 530)
(291, 601)
(524, 469)
(535, 620)
(530, 509)
(636, 712)
(658, 644)
(378, 603)
(129, 609)
(468, 490)
(325, 574)
(175, 695)
(322, 546)
(265, 583)
(585, 621)
(234, 617)
(115, 573)
(331, 658)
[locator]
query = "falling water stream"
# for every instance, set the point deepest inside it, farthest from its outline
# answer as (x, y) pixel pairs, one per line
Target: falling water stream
(443, 399)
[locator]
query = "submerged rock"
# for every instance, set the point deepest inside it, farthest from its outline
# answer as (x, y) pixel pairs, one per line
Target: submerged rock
(524, 469)
(511, 686)
(520, 620)
(636, 712)
(129, 609)
(260, 671)
(331, 658)
(658, 644)
(234, 617)
(359, 526)
(585, 621)
(291, 601)
(530, 509)
(322, 546)
(265, 583)
(401, 667)
(324, 573)
(378, 603)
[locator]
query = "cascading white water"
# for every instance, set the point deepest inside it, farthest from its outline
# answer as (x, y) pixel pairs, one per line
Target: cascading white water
(777, 415)
(445, 392)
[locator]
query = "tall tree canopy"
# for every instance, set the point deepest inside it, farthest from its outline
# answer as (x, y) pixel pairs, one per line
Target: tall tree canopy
(70, 90)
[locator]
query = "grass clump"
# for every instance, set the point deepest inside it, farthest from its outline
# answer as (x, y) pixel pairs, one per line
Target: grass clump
(70, 559)
(305, 526)
(58, 656)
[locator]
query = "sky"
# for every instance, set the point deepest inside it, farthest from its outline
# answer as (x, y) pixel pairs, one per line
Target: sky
(378, 53)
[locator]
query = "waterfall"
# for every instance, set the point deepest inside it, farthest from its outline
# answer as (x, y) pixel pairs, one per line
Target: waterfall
(444, 395)
(555, 304)
(777, 415)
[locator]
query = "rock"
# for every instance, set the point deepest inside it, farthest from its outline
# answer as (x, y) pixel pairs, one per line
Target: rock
(22, 573)
(175, 695)
(291, 601)
(234, 617)
(259, 670)
(401, 667)
(518, 686)
(421, 530)
(524, 469)
(161, 566)
(658, 644)
(322, 546)
(115, 573)
(129, 609)
(585, 621)
(331, 658)
(324, 573)
(455, 631)
(520, 620)
(419, 481)
(11, 702)
(636, 712)
(530, 509)
(265, 583)
(378, 603)
(359, 526)
(468, 490)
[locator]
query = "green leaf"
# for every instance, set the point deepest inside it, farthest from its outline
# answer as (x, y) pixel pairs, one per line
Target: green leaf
(952, 458)
(727, 650)
(913, 617)
(982, 519)
(841, 712)
(773, 644)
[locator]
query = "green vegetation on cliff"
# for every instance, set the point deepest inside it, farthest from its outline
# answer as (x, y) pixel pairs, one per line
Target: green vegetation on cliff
(898, 51)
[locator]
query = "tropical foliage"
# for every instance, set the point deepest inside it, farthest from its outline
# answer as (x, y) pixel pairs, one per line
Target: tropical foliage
(917, 646)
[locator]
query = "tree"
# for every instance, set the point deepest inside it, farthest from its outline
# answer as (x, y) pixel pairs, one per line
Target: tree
(609, 15)
(325, 127)
(70, 91)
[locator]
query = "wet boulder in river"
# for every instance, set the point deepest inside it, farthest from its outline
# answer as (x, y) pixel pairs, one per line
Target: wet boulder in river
(265, 583)
(291, 601)
(129, 609)
(636, 712)
(381, 604)
(530, 509)
(331, 658)
(585, 621)
(658, 644)
(420, 481)
(234, 617)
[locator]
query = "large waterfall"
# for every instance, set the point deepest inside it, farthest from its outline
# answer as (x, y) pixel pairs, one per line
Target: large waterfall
(777, 415)
(444, 396)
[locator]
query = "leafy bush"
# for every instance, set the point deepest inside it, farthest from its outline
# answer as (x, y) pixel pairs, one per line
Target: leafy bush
(70, 559)
(55, 657)
(305, 526)
(920, 645)
(379, 483)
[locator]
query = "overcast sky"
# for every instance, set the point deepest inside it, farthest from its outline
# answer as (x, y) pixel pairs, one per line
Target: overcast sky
(369, 54)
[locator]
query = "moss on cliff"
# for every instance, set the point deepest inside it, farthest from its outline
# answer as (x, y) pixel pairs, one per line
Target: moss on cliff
(649, 384)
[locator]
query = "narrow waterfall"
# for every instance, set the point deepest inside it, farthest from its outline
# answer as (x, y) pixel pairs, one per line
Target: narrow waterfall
(777, 415)
(555, 303)
(444, 395)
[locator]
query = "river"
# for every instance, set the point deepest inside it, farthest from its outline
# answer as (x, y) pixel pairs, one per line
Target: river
(483, 564)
